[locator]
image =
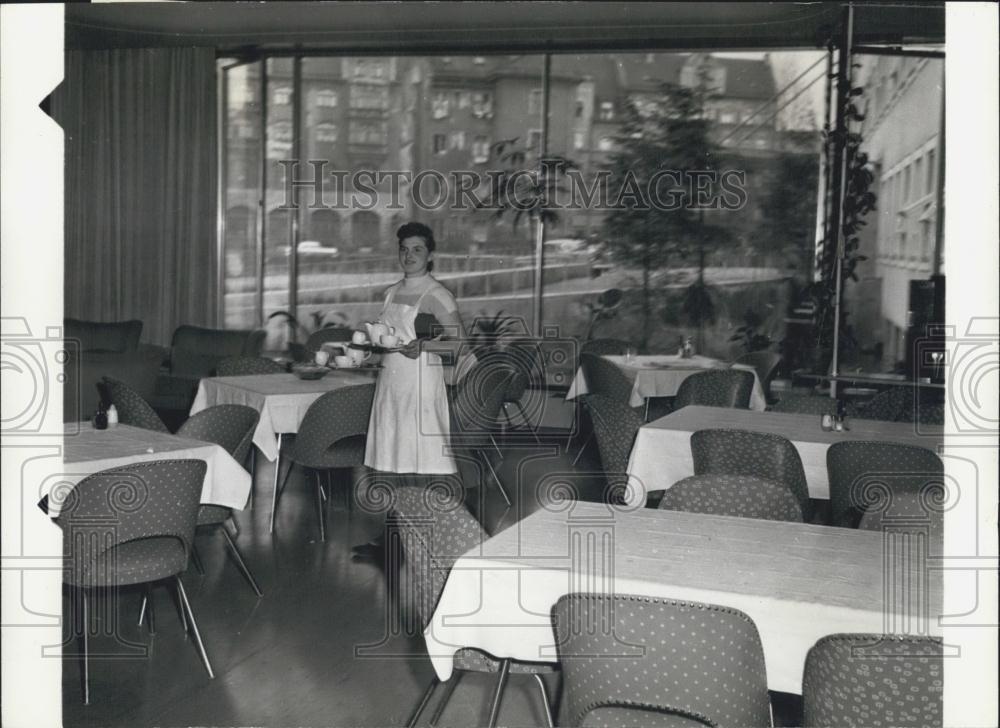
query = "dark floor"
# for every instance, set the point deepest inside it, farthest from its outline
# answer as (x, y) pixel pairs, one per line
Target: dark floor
(322, 647)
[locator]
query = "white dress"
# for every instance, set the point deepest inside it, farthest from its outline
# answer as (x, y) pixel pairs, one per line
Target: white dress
(409, 430)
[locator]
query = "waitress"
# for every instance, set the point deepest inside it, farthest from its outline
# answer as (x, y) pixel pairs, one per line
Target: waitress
(409, 429)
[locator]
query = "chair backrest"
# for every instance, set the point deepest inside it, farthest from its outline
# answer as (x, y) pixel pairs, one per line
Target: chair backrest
(132, 409)
(196, 351)
(605, 347)
(908, 512)
(116, 336)
(742, 496)
(231, 426)
(156, 499)
(866, 472)
(436, 528)
(875, 680)
(756, 454)
(889, 405)
(235, 366)
(615, 426)
(765, 363)
(330, 333)
(334, 416)
(689, 660)
(480, 395)
(808, 404)
(605, 378)
(716, 388)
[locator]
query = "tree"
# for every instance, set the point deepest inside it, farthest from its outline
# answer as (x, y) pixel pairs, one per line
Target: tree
(789, 209)
(663, 142)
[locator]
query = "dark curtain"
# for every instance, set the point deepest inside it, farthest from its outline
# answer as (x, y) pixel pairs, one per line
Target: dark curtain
(140, 205)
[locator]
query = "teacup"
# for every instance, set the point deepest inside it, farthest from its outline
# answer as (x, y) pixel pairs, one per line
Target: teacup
(359, 338)
(389, 341)
(357, 355)
(342, 361)
(322, 357)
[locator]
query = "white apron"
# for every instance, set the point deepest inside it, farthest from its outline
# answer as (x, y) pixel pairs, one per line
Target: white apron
(409, 430)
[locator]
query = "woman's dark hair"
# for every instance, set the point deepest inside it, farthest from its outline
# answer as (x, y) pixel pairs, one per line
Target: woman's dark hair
(418, 230)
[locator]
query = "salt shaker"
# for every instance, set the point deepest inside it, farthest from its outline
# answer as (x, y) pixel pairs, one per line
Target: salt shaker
(826, 422)
(112, 416)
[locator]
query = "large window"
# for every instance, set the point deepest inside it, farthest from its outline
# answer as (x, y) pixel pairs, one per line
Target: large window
(380, 141)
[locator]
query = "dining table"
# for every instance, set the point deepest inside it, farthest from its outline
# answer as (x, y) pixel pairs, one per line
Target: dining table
(87, 451)
(661, 453)
(661, 375)
(798, 582)
(281, 399)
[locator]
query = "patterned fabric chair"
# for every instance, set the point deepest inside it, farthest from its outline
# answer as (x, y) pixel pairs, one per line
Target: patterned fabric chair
(435, 529)
(661, 662)
(332, 435)
(131, 525)
(754, 454)
(608, 380)
(337, 334)
(865, 474)
(806, 404)
(132, 409)
(522, 366)
(236, 366)
(231, 426)
(716, 388)
(903, 404)
(766, 364)
(476, 406)
(615, 426)
(605, 347)
(743, 496)
(910, 513)
(875, 681)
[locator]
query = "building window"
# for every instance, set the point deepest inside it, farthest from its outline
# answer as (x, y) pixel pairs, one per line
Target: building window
(607, 111)
(366, 96)
(457, 140)
(326, 132)
(480, 149)
(482, 104)
(535, 101)
(727, 117)
(440, 143)
(440, 105)
(579, 140)
(535, 140)
(578, 113)
(931, 172)
(281, 96)
(368, 68)
(605, 144)
(906, 185)
(369, 133)
(326, 98)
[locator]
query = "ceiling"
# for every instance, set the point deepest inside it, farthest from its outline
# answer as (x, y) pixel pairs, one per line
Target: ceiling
(472, 27)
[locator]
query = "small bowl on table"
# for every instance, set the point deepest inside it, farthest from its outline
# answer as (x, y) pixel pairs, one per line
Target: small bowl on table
(309, 372)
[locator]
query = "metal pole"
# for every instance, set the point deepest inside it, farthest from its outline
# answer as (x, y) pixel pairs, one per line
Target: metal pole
(939, 192)
(540, 232)
(293, 218)
(222, 125)
(262, 201)
(843, 91)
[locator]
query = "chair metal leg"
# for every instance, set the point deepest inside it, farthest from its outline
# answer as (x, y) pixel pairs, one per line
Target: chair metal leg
(84, 598)
(449, 688)
(423, 703)
(142, 608)
(645, 414)
(274, 494)
(147, 607)
(498, 695)
(527, 422)
(196, 560)
(194, 627)
(240, 563)
(319, 508)
(549, 720)
(584, 447)
(496, 478)
(235, 524)
(253, 472)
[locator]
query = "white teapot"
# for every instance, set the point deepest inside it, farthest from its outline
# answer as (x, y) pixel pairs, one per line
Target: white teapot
(377, 329)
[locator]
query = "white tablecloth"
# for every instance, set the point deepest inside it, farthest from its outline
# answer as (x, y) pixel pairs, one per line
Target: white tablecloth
(661, 376)
(87, 451)
(281, 399)
(798, 582)
(661, 454)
